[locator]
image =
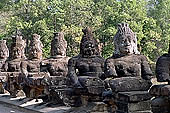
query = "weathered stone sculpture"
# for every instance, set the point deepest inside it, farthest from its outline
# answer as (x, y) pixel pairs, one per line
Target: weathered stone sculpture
(56, 65)
(129, 71)
(84, 71)
(31, 69)
(4, 53)
(14, 64)
(161, 102)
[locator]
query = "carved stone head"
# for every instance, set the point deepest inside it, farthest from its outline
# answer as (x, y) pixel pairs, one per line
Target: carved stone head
(58, 45)
(35, 48)
(17, 47)
(88, 45)
(4, 52)
(125, 41)
(17, 52)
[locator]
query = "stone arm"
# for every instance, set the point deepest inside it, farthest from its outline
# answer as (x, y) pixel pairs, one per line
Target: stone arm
(24, 68)
(72, 73)
(43, 67)
(5, 67)
(109, 69)
(146, 72)
(162, 69)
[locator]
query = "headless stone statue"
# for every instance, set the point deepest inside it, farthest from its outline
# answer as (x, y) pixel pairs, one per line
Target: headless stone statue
(85, 69)
(161, 102)
(56, 65)
(4, 53)
(127, 69)
(31, 69)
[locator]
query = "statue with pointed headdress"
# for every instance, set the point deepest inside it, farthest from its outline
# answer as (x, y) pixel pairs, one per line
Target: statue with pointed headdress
(56, 66)
(30, 69)
(4, 53)
(16, 56)
(127, 70)
(85, 69)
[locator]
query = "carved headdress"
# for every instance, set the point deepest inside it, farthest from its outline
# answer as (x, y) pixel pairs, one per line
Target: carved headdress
(58, 45)
(88, 37)
(18, 44)
(124, 31)
(37, 45)
(4, 50)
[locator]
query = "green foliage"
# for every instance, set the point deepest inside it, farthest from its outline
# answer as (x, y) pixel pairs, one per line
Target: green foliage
(150, 20)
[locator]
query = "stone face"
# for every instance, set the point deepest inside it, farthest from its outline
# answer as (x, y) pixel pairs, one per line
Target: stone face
(85, 69)
(36, 46)
(58, 45)
(125, 40)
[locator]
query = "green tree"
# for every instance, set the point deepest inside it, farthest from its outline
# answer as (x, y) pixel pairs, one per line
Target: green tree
(160, 11)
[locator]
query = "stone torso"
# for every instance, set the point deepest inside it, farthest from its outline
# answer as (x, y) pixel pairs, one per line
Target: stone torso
(32, 65)
(129, 66)
(90, 66)
(56, 66)
(14, 65)
(162, 68)
(3, 66)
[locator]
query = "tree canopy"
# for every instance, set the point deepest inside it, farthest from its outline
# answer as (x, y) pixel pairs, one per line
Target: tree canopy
(150, 19)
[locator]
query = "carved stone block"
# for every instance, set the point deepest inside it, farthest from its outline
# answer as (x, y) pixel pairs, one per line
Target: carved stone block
(160, 90)
(133, 107)
(133, 96)
(130, 84)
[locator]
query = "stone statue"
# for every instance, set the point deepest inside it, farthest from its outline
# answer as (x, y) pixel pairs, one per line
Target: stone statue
(161, 102)
(31, 68)
(127, 68)
(56, 65)
(4, 53)
(85, 69)
(162, 68)
(16, 56)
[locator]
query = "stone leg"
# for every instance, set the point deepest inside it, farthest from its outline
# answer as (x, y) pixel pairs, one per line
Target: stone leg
(133, 102)
(84, 100)
(1, 88)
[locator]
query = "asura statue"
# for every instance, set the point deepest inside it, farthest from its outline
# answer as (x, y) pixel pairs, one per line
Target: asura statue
(56, 65)
(30, 69)
(4, 53)
(127, 66)
(127, 71)
(16, 56)
(161, 102)
(84, 71)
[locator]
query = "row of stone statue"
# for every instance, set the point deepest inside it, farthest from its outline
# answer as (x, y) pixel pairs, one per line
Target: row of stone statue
(121, 81)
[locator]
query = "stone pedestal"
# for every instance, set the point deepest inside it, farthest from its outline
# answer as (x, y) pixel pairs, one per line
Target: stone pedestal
(161, 101)
(133, 102)
(3, 79)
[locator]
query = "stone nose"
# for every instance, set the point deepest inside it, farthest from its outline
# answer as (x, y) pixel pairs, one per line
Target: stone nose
(126, 42)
